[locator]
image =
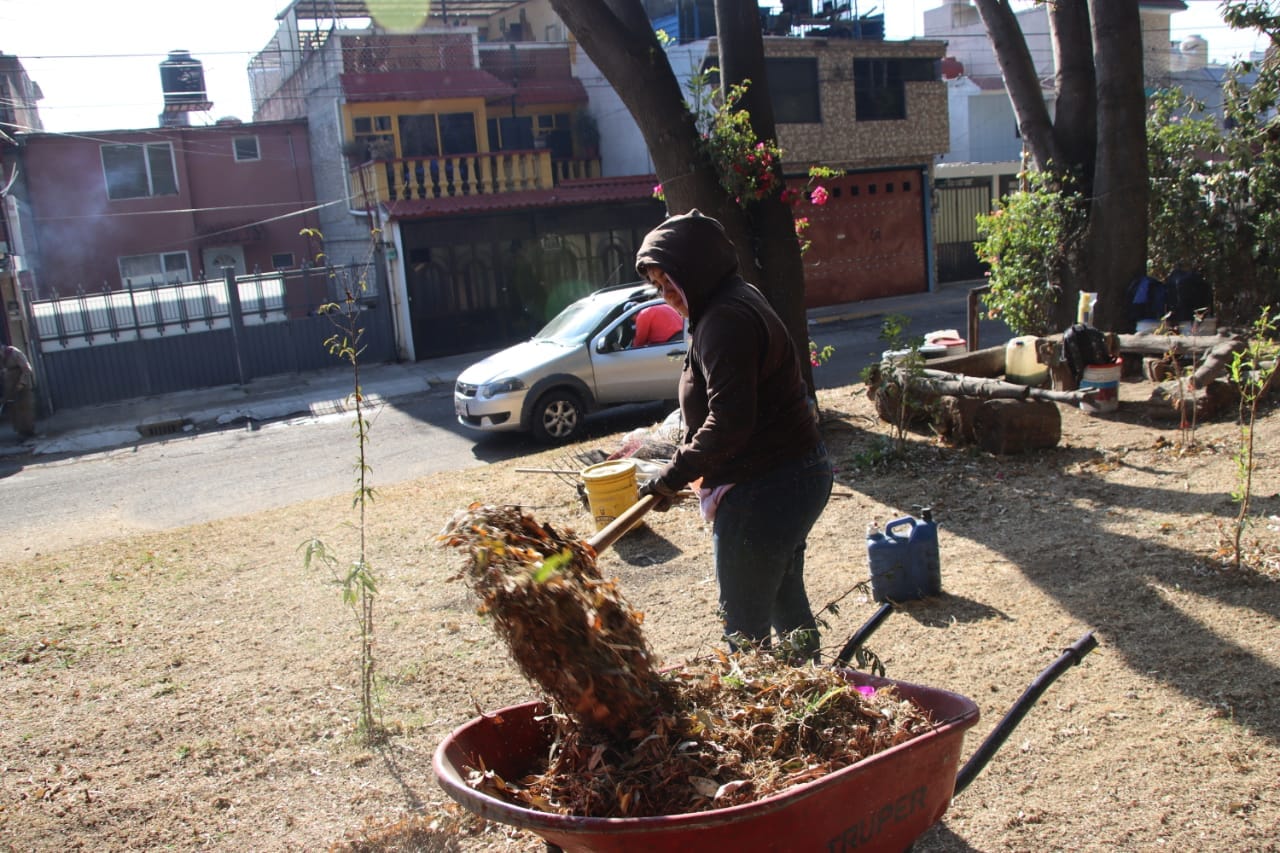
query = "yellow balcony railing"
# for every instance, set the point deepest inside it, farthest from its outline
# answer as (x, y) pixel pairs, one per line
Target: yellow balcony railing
(467, 175)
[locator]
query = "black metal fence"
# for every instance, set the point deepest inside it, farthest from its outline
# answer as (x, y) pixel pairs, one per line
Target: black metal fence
(95, 348)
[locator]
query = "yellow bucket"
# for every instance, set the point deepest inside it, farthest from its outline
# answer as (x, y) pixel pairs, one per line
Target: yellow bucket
(611, 489)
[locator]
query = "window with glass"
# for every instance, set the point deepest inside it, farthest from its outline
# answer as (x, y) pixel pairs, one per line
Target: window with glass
(510, 133)
(139, 171)
(793, 88)
(432, 135)
(246, 148)
(375, 134)
(880, 92)
(164, 268)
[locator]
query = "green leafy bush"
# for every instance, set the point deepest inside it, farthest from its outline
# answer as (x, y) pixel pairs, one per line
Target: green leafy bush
(1027, 242)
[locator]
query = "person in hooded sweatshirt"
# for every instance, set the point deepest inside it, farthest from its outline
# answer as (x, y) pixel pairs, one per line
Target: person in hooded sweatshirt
(751, 436)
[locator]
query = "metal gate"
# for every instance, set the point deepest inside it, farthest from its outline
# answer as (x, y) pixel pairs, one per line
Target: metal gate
(114, 345)
(959, 201)
(868, 240)
(486, 282)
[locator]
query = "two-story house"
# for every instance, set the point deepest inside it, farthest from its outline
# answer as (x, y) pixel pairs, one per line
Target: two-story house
(117, 209)
(473, 143)
(876, 110)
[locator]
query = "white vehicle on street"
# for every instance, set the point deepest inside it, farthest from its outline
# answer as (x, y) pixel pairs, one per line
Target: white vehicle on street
(581, 361)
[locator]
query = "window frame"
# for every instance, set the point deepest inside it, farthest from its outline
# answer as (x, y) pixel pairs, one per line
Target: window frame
(801, 101)
(235, 149)
(162, 277)
(148, 174)
(880, 85)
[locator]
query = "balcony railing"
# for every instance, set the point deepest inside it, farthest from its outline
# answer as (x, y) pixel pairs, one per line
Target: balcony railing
(467, 175)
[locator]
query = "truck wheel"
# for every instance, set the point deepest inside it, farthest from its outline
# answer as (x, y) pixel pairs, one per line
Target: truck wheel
(558, 417)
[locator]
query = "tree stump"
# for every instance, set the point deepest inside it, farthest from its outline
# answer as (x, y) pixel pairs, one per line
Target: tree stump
(956, 416)
(1016, 426)
(1176, 402)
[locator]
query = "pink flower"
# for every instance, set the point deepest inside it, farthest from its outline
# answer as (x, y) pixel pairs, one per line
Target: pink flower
(657, 191)
(819, 196)
(866, 690)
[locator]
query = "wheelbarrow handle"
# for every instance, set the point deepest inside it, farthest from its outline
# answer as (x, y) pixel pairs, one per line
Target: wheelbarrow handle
(614, 530)
(860, 636)
(1069, 657)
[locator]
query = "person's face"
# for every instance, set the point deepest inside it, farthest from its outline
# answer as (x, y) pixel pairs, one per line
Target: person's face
(670, 293)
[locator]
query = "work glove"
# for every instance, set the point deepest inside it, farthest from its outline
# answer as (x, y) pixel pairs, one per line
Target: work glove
(665, 494)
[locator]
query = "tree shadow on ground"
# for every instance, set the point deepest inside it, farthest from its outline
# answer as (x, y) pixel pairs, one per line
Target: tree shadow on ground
(1114, 582)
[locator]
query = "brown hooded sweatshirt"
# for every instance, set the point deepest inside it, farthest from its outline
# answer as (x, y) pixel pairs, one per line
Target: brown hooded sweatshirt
(742, 395)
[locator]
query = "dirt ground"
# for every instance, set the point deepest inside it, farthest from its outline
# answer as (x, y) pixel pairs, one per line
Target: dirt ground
(196, 689)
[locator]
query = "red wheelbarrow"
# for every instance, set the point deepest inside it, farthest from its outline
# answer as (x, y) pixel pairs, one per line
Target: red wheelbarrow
(882, 803)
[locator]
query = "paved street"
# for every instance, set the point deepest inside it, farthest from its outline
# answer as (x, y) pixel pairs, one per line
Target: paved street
(276, 458)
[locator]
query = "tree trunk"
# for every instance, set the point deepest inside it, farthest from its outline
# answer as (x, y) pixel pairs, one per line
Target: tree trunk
(619, 38)
(1099, 135)
(1022, 81)
(1116, 240)
(956, 385)
(1075, 119)
(777, 262)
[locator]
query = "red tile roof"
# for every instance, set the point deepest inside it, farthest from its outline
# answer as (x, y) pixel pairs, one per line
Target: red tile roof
(592, 191)
(462, 83)
(424, 85)
(568, 89)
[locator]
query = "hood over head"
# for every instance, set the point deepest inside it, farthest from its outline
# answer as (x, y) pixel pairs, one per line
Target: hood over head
(694, 250)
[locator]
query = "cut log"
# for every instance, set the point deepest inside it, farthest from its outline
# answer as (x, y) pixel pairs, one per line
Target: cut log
(1217, 362)
(1180, 403)
(1016, 426)
(956, 416)
(987, 362)
(1178, 344)
(955, 385)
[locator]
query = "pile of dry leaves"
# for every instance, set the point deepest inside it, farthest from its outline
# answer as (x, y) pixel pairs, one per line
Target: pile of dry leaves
(635, 741)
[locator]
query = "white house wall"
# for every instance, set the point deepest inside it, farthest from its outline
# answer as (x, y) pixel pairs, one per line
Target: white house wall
(622, 147)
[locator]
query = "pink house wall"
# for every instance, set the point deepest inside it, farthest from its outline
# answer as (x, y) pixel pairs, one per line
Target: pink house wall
(78, 233)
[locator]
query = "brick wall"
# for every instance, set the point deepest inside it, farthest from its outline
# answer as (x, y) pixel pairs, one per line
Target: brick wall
(842, 141)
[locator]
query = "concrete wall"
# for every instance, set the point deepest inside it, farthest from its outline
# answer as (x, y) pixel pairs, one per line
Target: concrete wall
(314, 92)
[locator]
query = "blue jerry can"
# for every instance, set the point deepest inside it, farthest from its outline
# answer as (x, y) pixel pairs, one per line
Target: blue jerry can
(904, 568)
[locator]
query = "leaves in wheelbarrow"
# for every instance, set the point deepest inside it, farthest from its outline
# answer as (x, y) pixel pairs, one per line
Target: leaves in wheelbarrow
(568, 629)
(634, 742)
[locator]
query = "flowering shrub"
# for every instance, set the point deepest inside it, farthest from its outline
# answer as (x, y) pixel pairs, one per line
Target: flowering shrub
(818, 356)
(749, 169)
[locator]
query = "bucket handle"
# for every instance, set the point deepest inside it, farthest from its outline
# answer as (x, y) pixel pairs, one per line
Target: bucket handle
(888, 528)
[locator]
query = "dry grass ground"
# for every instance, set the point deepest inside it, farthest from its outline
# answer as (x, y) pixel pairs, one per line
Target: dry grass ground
(197, 689)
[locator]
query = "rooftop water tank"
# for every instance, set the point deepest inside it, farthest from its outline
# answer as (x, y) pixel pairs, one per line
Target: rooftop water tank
(1195, 52)
(182, 79)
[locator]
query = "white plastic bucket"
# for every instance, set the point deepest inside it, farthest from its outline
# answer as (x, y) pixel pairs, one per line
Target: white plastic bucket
(1105, 378)
(611, 489)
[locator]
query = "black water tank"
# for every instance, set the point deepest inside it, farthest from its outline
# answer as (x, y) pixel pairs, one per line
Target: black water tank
(182, 78)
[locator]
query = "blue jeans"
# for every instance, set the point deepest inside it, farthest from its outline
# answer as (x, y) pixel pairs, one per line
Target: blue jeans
(758, 541)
